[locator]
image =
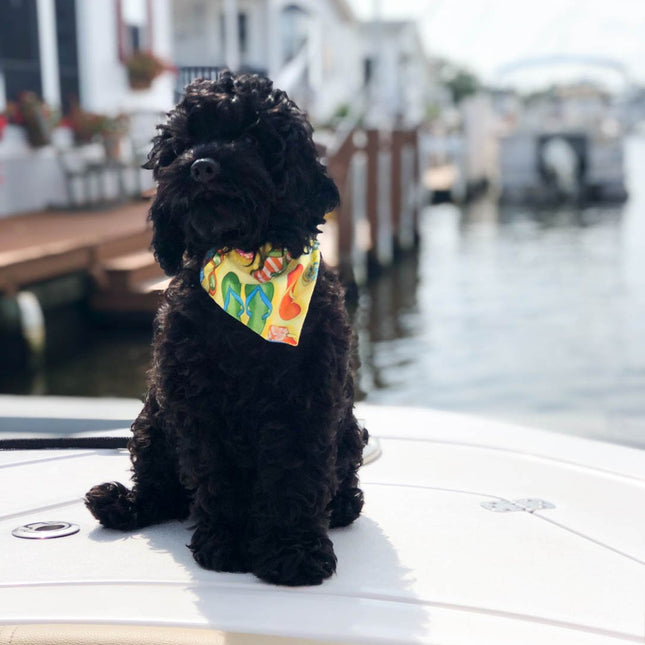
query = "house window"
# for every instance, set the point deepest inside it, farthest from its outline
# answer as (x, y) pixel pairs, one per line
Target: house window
(19, 47)
(368, 70)
(242, 32)
(293, 23)
(134, 22)
(66, 39)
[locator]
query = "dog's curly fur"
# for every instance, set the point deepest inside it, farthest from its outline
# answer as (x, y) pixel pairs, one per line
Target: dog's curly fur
(257, 440)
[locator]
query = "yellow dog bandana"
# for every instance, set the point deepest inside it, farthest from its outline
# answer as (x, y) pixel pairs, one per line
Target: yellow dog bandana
(271, 298)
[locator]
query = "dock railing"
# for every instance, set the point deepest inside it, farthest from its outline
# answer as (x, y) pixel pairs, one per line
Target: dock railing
(377, 174)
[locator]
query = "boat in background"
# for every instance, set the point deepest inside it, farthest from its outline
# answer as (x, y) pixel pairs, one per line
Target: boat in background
(473, 532)
(574, 166)
(566, 146)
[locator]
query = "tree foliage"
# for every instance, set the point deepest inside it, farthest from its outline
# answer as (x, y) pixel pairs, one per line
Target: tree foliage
(460, 81)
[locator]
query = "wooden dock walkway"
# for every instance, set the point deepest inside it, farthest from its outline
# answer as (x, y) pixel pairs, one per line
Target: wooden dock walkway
(111, 246)
(377, 174)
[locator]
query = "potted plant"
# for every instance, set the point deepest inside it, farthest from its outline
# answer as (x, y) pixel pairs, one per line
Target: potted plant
(88, 127)
(85, 126)
(143, 67)
(34, 115)
(113, 129)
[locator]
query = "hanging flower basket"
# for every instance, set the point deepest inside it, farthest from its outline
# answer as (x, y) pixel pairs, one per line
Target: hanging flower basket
(144, 67)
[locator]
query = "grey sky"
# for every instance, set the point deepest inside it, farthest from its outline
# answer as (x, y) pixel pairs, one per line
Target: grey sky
(487, 34)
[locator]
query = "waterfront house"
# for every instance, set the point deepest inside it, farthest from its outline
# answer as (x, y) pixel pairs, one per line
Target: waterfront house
(403, 84)
(310, 48)
(69, 52)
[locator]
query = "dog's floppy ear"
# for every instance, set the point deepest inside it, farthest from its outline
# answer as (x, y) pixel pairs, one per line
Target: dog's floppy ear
(167, 237)
(327, 196)
(167, 232)
(162, 151)
(314, 191)
(298, 174)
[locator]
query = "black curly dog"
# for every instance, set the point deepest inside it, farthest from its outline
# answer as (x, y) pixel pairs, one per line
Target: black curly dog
(256, 440)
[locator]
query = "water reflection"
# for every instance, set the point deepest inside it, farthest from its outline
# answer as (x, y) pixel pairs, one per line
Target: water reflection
(103, 362)
(528, 316)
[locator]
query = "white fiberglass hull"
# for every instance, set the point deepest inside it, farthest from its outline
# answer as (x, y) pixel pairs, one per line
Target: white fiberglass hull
(426, 562)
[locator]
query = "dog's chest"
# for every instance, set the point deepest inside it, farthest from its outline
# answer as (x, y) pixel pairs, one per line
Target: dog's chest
(244, 365)
(237, 371)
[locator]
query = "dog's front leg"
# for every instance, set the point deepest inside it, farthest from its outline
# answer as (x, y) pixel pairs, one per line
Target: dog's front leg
(347, 503)
(220, 504)
(157, 494)
(290, 513)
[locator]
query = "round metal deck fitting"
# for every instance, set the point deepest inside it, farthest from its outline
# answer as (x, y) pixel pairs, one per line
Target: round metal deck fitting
(45, 530)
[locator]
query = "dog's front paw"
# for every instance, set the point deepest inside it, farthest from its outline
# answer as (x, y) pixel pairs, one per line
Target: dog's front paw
(112, 505)
(306, 559)
(218, 552)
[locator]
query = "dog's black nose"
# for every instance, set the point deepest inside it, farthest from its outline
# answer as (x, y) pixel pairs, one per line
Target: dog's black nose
(204, 170)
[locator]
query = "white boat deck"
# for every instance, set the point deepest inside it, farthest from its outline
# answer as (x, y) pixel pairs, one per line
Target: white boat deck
(425, 563)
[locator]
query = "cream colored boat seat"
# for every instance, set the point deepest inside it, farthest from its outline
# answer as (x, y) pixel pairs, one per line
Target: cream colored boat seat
(72, 634)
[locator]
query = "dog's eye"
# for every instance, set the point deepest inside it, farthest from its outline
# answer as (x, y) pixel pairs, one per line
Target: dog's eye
(166, 158)
(169, 154)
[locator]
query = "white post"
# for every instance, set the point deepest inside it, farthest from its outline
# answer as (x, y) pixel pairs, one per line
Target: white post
(358, 170)
(84, 44)
(377, 107)
(384, 242)
(314, 52)
(274, 55)
(409, 196)
(3, 93)
(48, 52)
(231, 39)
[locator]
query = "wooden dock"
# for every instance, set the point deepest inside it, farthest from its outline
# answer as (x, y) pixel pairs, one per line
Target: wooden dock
(377, 174)
(110, 246)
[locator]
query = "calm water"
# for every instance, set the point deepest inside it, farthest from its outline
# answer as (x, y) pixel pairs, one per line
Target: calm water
(535, 317)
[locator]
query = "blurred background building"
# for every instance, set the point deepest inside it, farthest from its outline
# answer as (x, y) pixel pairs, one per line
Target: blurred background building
(131, 58)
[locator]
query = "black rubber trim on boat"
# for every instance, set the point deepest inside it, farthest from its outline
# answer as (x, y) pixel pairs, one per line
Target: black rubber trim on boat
(64, 443)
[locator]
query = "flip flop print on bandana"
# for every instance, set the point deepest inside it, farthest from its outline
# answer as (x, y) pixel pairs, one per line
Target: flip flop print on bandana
(289, 308)
(232, 292)
(272, 298)
(258, 305)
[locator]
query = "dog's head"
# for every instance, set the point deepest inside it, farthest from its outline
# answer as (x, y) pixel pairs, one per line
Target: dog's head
(236, 167)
